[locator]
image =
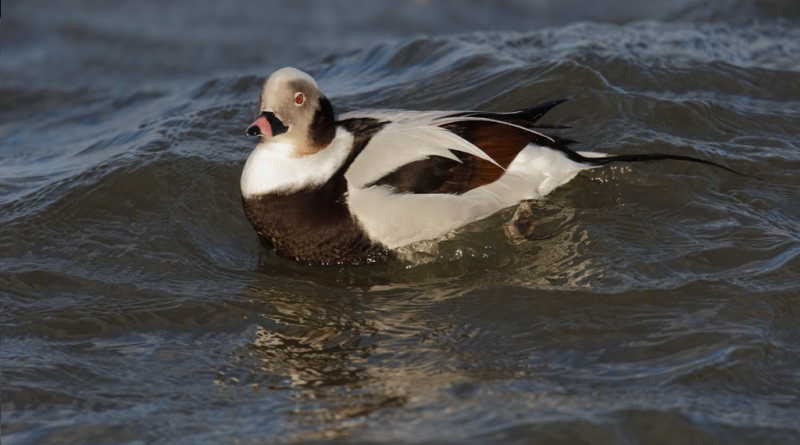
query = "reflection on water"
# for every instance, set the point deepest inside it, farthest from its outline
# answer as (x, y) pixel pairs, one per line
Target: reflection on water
(334, 355)
(346, 358)
(303, 344)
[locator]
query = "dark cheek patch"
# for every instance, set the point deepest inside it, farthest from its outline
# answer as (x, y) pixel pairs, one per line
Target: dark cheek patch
(323, 128)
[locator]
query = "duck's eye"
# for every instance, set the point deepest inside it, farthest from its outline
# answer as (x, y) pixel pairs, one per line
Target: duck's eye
(299, 98)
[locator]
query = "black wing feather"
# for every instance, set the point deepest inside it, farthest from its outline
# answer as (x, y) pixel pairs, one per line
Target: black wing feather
(435, 174)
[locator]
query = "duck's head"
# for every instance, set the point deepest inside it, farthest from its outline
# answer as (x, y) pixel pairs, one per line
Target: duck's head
(293, 109)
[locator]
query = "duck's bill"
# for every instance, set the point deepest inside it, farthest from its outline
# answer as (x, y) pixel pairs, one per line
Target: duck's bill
(267, 125)
(260, 127)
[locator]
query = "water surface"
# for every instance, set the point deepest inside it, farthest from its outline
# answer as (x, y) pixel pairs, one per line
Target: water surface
(659, 303)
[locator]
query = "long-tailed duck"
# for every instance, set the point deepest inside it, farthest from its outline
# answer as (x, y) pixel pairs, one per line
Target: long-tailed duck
(350, 190)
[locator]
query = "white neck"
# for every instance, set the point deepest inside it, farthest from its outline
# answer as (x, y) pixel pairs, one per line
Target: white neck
(273, 168)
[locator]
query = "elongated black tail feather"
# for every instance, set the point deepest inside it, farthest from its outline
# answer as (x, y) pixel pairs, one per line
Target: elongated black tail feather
(527, 119)
(645, 157)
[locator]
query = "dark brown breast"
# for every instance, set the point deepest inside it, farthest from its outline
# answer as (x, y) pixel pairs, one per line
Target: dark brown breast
(312, 226)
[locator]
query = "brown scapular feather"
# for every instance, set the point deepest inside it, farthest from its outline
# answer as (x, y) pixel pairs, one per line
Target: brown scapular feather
(499, 141)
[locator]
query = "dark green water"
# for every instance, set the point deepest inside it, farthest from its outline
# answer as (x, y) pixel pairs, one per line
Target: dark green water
(659, 304)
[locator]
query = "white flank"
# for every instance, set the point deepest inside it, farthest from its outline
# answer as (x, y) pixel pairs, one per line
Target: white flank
(273, 166)
(399, 219)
